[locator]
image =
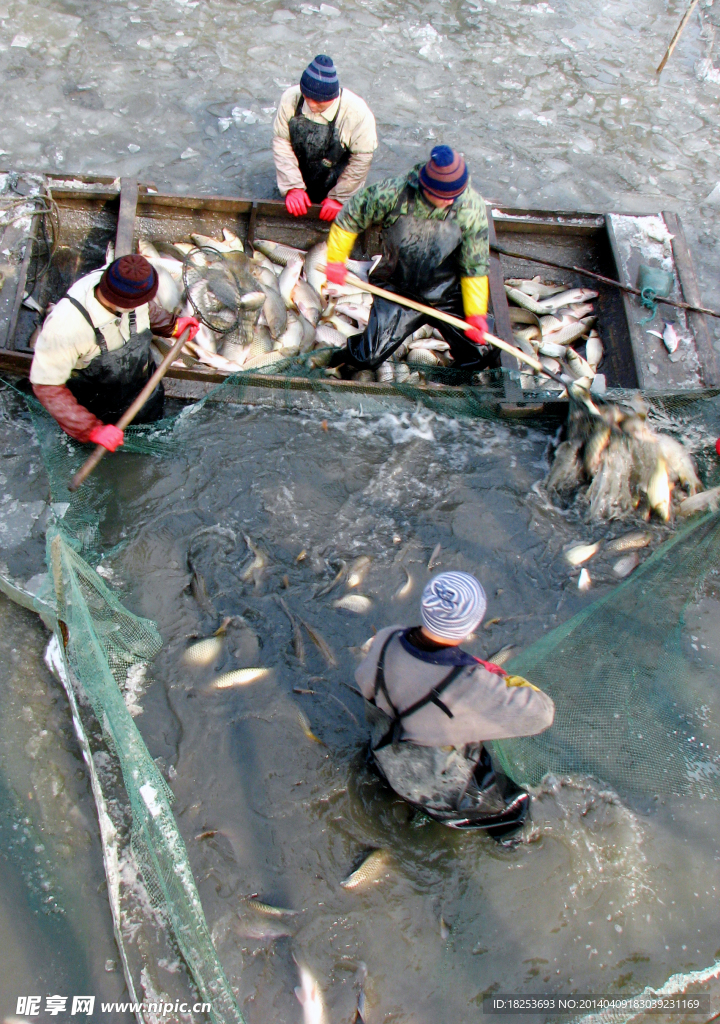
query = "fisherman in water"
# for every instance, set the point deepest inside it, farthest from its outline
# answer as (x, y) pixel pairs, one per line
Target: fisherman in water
(92, 357)
(323, 142)
(435, 250)
(431, 706)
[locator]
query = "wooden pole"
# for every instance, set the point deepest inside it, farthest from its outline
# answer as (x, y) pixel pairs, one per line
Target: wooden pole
(676, 37)
(129, 415)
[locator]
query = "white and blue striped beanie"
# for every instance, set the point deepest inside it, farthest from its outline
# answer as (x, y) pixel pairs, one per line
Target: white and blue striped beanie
(320, 80)
(452, 605)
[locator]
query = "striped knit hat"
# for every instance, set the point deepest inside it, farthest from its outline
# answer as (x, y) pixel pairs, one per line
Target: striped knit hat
(445, 175)
(129, 282)
(320, 80)
(452, 605)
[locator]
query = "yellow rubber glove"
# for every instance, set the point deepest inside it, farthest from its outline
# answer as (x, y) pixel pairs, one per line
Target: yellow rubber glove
(340, 244)
(474, 295)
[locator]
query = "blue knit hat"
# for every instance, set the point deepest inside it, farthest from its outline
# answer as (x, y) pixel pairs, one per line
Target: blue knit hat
(320, 80)
(452, 605)
(129, 282)
(445, 175)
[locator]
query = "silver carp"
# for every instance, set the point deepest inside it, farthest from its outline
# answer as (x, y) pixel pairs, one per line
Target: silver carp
(278, 253)
(307, 301)
(289, 278)
(315, 259)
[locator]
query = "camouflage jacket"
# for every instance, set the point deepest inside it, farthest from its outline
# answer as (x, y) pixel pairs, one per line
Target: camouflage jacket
(376, 204)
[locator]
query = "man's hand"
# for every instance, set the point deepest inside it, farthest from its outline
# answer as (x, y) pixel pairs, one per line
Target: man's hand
(336, 273)
(297, 202)
(108, 435)
(477, 330)
(181, 323)
(330, 208)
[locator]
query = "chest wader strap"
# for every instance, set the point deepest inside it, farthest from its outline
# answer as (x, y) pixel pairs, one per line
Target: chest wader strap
(99, 336)
(394, 735)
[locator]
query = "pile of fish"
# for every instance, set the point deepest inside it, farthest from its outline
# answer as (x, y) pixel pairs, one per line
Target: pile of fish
(280, 305)
(619, 464)
(554, 323)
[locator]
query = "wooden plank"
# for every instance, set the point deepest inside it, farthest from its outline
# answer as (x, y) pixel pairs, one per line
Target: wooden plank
(706, 350)
(129, 190)
(252, 221)
(9, 340)
(501, 312)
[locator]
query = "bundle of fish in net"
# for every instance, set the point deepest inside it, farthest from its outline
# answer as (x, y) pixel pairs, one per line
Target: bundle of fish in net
(619, 464)
(556, 325)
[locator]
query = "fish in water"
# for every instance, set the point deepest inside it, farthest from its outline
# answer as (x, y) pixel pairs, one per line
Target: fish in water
(566, 469)
(204, 652)
(699, 502)
(629, 542)
(199, 592)
(305, 726)
(581, 553)
(404, 589)
(372, 868)
(262, 931)
(339, 577)
(357, 603)
(679, 462)
(435, 556)
(258, 563)
(267, 909)
(584, 581)
(504, 654)
(239, 677)
(625, 565)
(298, 644)
(444, 928)
(321, 644)
(310, 997)
(357, 571)
(595, 447)
(658, 491)
(276, 252)
(360, 979)
(207, 835)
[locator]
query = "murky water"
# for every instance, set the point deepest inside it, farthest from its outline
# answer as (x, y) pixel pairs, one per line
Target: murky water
(555, 105)
(592, 901)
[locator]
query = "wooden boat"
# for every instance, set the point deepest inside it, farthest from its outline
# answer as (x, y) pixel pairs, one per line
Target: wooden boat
(92, 212)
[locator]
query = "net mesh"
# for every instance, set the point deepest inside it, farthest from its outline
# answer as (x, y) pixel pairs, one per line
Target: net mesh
(622, 673)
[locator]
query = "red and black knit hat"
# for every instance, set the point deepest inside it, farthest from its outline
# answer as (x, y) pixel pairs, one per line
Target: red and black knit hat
(445, 175)
(129, 282)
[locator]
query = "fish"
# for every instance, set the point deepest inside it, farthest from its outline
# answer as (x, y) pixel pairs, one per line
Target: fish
(232, 240)
(207, 339)
(288, 279)
(658, 490)
(291, 338)
(404, 589)
(566, 335)
(529, 334)
(204, 652)
(385, 372)
(262, 931)
(315, 259)
(435, 557)
(521, 299)
(208, 242)
(267, 909)
(321, 644)
(444, 928)
(371, 870)
(305, 726)
(593, 351)
(625, 565)
(262, 342)
(402, 372)
(263, 359)
(536, 288)
(359, 983)
(359, 313)
(260, 560)
(357, 603)
(199, 592)
(551, 349)
(567, 298)
(584, 581)
(252, 300)
(309, 996)
(308, 334)
(357, 571)
(579, 366)
(595, 447)
(431, 344)
(327, 335)
(337, 579)
(504, 654)
(208, 834)
(308, 302)
(709, 499)
(671, 338)
(239, 677)
(342, 326)
(553, 365)
(233, 350)
(278, 253)
(298, 643)
(147, 249)
(679, 462)
(582, 553)
(629, 542)
(523, 316)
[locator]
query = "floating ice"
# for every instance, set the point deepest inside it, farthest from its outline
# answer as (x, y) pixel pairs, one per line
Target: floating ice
(21, 40)
(133, 147)
(280, 16)
(329, 11)
(189, 153)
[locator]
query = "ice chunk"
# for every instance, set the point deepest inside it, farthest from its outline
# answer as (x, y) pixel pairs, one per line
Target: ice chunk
(280, 16)
(21, 40)
(329, 11)
(144, 44)
(189, 153)
(714, 198)
(133, 147)
(224, 123)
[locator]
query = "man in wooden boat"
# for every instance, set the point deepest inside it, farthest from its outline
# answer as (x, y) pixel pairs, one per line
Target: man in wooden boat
(324, 138)
(431, 707)
(435, 250)
(92, 357)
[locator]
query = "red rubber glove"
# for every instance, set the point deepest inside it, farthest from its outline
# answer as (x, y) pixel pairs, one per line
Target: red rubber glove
(330, 208)
(477, 330)
(717, 446)
(108, 436)
(297, 202)
(180, 324)
(336, 273)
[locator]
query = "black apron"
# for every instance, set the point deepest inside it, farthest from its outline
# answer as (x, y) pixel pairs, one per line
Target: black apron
(113, 380)
(456, 786)
(420, 261)
(321, 155)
